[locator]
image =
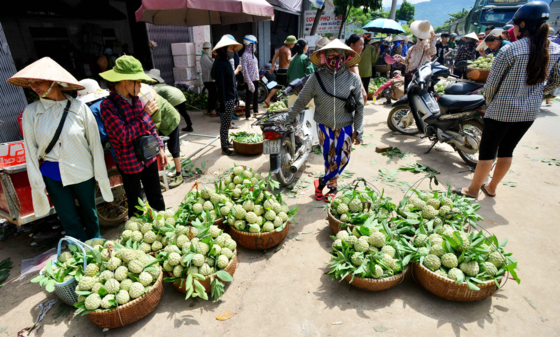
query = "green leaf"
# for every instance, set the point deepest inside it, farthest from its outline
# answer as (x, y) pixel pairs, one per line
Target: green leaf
(472, 286)
(50, 286)
(224, 276)
(37, 279)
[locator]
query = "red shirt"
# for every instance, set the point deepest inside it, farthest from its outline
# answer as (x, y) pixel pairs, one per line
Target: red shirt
(512, 37)
(123, 126)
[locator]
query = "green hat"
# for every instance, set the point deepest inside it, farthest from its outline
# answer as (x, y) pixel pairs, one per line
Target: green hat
(290, 40)
(126, 68)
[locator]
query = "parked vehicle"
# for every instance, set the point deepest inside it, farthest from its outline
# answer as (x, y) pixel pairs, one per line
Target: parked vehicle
(262, 88)
(453, 119)
(288, 144)
(486, 13)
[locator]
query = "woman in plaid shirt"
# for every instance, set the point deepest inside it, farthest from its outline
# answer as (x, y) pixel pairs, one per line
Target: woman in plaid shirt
(521, 73)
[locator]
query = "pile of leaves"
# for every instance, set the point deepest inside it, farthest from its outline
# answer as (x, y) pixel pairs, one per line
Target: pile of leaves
(376, 84)
(196, 101)
(278, 106)
(440, 87)
(115, 277)
(247, 138)
(464, 258)
(367, 251)
(355, 207)
(197, 204)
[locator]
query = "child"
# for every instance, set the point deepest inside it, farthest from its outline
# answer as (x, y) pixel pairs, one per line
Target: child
(394, 88)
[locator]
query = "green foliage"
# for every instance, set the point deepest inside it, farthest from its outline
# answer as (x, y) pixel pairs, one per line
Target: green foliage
(453, 17)
(5, 267)
(244, 137)
(406, 12)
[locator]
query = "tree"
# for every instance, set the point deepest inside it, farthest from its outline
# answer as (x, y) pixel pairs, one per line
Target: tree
(453, 17)
(344, 7)
(406, 12)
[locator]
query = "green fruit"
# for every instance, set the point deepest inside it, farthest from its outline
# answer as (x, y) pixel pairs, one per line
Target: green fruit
(449, 260)
(86, 283)
(351, 240)
(490, 268)
(389, 250)
(423, 251)
(377, 239)
(106, 275)
(437, 250)
(357, 259)
(420, 240)
(136, 290)
(455, 273)
(93, 302)
(198, 260)
(121, 273)
(223, 261)
(361, 246)
(342, 235)
(435, 203)
(378, 272)
(441, 273)
(432, 262)
(355, 205)
(429, 212)
(145, 278)
(496, 259)
(419, 204)
(112, 286)
(123, 297)
(470, 268)
(91, 270)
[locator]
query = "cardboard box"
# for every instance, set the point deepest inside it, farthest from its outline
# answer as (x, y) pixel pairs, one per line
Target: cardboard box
(183, 74)
(184, 61)
(185, 48)
(201, 34)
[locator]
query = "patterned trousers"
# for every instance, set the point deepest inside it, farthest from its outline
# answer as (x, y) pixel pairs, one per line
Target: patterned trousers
(226, 123)
(336, 145)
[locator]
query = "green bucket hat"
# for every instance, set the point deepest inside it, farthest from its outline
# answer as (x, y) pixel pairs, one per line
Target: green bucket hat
(290, 40)
(126, 68)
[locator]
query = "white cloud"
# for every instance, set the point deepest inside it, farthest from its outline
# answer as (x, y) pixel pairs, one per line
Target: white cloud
(388, 3)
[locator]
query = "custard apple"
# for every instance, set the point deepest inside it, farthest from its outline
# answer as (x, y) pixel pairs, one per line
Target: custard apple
(377, 239)
(355, 232)
(277, 222)
(93, 302)
(435, 203)
(126, 235)
(227, 252)
(466, 243)
(283, 216)
(236, 193)
(96, 287)
(135, 266)
(361, 246)
(203, 248)
(429, 212)
(418, 203)
(373, 250)
(146, 228)
(222, 261)
(357, 259)
(270, 215)
(240, 212)
(125, 285)
(146, 247)
(449, 260)
(342, 235)
(432, 262)
(112, 286)
(470, 268)
(123, 297)
(443, 210)
(136, 290)
(377, 272)
(441, 273)
(91, 270)
(205, 270)
(106, 275)
(254, 228)
(65, 257)
(437, 250)
(447, 202)
(174, 259)
(344, 218)
(121, 273)
(86, 283)
(355, 205)
(137, 236)
(490, 268)
(351, 240)
(150, 237)
(198, 260)
(192, 270)
(251, 217)
(420, 240)
(231, 244)
(389, 250)
(455, 274)
(248, 205)
(390, 262)
(423, 251)
(214, 231)
(145, 278)
(197, 208)
(496, 259)
(337, 244)
(131, 226)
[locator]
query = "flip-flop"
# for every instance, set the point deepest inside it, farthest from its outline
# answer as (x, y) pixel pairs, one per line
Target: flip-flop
(459, 191)
(483, 188)
(330, 195)
(318, 193)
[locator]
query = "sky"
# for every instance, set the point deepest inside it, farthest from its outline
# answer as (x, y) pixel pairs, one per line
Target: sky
(387, 3)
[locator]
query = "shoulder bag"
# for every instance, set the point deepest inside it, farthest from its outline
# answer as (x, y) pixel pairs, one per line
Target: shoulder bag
(350, 101)
(56, 133)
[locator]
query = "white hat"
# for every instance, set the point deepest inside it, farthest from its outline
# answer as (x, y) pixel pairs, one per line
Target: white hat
(422, 29)
(227, 41)
(470, 36)
(206, 45)
(45, 69)
(399, 38)
(322, 42)
(91, 91)
(494, 32)
(156, 75)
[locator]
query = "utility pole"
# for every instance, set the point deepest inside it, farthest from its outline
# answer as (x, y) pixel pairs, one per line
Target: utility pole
(393, 10)
(317, 19)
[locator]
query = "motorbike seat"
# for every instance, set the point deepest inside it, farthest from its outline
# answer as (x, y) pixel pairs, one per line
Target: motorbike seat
(451, 103)
(461, 88)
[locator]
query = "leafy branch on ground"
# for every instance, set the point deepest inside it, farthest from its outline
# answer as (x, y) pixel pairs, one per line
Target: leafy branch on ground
(395, 152)
(420, 168)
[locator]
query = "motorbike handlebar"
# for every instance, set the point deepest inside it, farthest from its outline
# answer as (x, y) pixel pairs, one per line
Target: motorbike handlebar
(455, 76)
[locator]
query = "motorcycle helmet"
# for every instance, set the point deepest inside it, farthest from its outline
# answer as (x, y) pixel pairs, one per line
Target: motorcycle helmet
(249, 39)
(453, 35)
(533, 14)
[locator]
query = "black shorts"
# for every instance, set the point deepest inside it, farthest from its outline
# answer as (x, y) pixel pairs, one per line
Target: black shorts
(501, 138)
(281, 78)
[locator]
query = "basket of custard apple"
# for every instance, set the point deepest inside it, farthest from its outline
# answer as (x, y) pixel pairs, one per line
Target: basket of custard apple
(353, 207)
(258, 218)
(367, 257)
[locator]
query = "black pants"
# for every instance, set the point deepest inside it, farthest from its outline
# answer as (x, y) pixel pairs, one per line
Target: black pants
(365, 82)
(182, 108)
(252, 97)
(212, 95)
(150, 180)
(173, 143)
(501, 138)
(226, 122)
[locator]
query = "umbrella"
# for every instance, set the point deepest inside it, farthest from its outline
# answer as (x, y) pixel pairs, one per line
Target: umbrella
(386, 26)
(203, 12)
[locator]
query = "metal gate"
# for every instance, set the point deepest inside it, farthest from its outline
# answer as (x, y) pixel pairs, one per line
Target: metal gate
(12, 98)
(164, 36)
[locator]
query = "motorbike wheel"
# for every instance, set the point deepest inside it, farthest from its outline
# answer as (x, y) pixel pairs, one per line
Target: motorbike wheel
(263, 92)
(285, 176)
(473, 128)
(396, 116)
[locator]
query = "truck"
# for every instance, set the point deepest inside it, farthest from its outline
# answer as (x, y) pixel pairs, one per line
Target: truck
(486, 13)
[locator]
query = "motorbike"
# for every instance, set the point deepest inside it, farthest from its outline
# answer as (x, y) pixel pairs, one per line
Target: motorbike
(463, 88)
(288, 143)
(262, 89)
(453, 119)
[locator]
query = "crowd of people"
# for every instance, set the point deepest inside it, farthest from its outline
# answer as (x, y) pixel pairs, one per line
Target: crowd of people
(65, 136)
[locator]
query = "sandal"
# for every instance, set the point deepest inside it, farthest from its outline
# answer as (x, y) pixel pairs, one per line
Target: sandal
(331, 195)
(459, 191)
(483, 188)
(175, 181)
(318, 189)
(234, 127)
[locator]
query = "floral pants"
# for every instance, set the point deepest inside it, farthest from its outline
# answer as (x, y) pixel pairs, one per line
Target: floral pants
(336, 145)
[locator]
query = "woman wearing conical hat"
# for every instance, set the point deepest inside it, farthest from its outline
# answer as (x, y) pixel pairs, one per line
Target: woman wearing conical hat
(337, 127)
(76, 160)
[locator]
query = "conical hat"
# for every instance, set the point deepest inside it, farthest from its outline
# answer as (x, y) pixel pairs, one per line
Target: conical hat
(336, 44)
(422, 29)
(45, 69)
(471, 35)
(227, 41)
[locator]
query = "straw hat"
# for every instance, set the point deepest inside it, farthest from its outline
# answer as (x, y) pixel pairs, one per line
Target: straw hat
(421, 29)
(336, 44)
(322, 42)
(91, 91)
(126, 68)
(45, 69)
(156, 75)
(494, 32)
(227, 41)
(470, 36)
(399, 38)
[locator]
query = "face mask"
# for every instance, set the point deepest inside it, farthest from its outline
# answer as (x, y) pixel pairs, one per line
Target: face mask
(229, 54)
(335, 62)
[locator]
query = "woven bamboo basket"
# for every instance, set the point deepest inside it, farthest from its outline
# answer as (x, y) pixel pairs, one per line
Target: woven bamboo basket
(336, 224)
(476, 74)
(371, 284)
(248, 148)
(221, 225)
(370, 95)
(230, 269)
(383, 68)
(259, 241)
(131, 311)
(449, 289)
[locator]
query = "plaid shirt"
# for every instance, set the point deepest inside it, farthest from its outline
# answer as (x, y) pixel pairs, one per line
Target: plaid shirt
(507, 95)
(466, 52)
(124, 129)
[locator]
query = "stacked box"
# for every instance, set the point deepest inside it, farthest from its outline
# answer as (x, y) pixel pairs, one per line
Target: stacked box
(184, 60)
(184, 74)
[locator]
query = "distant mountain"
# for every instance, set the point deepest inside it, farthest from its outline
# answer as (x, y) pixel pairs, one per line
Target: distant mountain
(437, 11)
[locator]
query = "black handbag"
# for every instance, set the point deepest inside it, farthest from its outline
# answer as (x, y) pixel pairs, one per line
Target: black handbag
(56, 133)
(350, 106)
(146, 147)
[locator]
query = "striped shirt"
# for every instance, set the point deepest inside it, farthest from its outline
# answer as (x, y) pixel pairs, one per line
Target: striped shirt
(331, 111)
(78, 151)
(508, 97)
